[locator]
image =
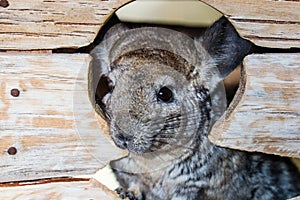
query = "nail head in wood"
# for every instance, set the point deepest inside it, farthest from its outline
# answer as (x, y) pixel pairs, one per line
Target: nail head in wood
(15, 92)
(12, 151)
(4, 3)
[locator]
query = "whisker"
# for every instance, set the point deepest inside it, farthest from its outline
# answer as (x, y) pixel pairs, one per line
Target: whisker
(173, 141)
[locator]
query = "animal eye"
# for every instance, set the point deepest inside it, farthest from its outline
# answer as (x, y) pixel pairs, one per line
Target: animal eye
(165, 95)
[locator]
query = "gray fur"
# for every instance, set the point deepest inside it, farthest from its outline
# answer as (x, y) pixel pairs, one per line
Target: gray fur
(170, 154)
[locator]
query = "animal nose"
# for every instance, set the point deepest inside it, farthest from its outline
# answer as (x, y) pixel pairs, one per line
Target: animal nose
(123, 139)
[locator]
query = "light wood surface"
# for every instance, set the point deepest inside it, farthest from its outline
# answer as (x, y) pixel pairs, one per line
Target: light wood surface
(51, 24)
(52, 123)
(75, 190)
(296, 198)
(43, 24)
(264, 116)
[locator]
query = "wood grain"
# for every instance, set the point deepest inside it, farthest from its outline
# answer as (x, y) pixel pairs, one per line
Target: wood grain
(296, 198)
(58, 190)
(52, 123)
(51, 24)
(271, 23)
(265, 114)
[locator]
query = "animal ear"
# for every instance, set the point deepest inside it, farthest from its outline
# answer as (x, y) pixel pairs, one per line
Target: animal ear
(225, 46)
(101, 64)
(102, 52)
(104, 89)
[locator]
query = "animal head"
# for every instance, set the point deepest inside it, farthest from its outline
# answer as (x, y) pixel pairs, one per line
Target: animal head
(160, 89)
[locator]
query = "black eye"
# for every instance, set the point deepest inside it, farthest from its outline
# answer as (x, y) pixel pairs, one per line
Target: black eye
(165, 95)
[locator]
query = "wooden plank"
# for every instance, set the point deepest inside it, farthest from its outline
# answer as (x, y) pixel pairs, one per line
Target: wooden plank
(52, 123)
(296, 198)
(51, 24)
(265, 114)
(272, 23)
(58, 190)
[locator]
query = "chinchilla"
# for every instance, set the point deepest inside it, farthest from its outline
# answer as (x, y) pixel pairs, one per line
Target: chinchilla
(160, 92)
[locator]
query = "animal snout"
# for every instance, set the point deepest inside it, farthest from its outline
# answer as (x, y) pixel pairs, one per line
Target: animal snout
(122, 140)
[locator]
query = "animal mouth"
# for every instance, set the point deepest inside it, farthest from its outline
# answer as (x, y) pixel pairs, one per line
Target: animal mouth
(163, 139)
(128, 142)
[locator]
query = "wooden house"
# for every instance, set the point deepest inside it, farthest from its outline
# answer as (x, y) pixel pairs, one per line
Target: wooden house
(49, 131)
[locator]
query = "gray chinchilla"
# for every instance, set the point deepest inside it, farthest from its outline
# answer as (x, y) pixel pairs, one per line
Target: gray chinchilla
(160, 91)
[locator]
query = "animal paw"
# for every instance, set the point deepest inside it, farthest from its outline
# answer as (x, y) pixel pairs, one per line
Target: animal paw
(123, 194)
